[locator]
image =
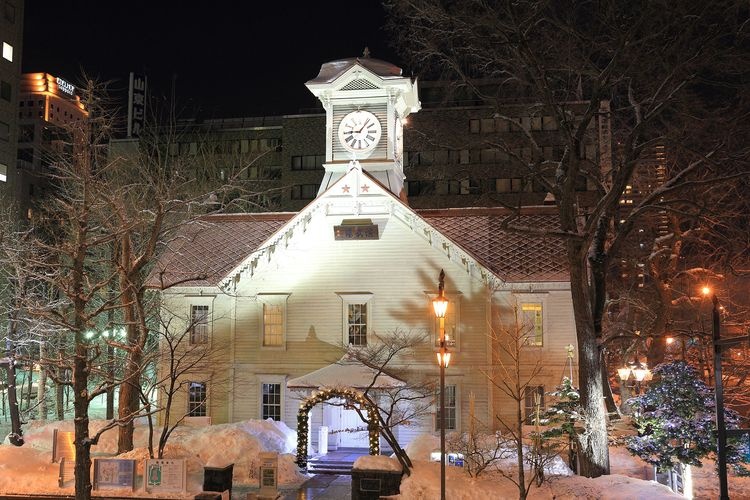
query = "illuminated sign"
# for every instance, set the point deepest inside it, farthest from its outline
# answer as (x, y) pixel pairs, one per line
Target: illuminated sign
(136, 104)
(66, 87)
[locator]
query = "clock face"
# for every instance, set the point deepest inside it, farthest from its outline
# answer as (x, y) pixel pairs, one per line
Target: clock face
(359, 131)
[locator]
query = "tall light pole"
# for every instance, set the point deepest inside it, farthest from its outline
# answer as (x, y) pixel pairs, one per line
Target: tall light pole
(440, 305)
(721, 429)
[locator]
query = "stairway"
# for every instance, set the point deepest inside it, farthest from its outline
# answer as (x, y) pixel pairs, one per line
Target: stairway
(328, 466)
(338, 462)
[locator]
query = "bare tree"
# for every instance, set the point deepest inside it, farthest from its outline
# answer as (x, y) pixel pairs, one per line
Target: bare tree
(664, 73)
(401, 404)
(515, 371)
(180, 357)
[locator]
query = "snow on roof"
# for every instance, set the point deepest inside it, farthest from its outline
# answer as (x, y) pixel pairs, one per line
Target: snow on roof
(204, 251)
(514, 256)
(346, 371)
(331, 70)
(207, 250)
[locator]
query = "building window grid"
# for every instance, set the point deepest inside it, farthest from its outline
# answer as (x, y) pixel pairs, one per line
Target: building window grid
(451, 409)
(533, 323)
(271, 405)
(357, 323)
(308, 162)
(273, 325)
(530, 396)
(199, 324)
(197, 399)
(304, 191)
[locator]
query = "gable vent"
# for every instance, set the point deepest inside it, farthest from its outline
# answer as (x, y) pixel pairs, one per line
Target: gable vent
(359, 84)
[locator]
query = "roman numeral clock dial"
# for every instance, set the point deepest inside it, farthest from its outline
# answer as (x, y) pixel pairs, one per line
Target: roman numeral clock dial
(359, 131)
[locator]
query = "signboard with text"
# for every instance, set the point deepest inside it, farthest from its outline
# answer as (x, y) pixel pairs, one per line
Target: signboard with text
(164, 475)
(136, 104)
(114, 473)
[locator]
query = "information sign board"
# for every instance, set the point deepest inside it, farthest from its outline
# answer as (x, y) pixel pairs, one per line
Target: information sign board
(164, 475)
(114, 473)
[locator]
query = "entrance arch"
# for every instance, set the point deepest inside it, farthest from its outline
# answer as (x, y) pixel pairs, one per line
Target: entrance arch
(303, 431)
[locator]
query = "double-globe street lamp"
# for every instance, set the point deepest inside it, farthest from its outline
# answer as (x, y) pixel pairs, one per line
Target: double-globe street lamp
(440, 305)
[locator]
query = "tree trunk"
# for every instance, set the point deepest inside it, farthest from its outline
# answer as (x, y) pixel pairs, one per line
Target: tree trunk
(110, 383)
(60, 389)
(16, 433)
(41, 392)
(609, 398)
(16, 437)
(593, 449)
(81, 421)
(128, 403)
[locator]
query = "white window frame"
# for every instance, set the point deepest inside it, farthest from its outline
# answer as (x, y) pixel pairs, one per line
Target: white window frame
(533, 299)
(273, 300)
(529, 405)
(206, 403)
(280, 380)
(192, 324)
(456, 407)
(452, 320)
(355, 298)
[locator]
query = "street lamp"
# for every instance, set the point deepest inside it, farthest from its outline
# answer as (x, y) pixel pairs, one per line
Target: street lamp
(440, 305)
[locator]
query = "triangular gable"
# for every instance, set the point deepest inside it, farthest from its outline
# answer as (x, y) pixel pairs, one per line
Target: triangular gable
(359, 194)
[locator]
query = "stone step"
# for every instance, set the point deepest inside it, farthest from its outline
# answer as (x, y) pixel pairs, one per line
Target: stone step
(324, 469)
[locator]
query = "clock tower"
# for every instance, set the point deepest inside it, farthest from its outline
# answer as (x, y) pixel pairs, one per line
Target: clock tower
(366, 102)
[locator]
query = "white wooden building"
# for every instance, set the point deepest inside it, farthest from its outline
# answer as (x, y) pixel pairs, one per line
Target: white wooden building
(279, 297)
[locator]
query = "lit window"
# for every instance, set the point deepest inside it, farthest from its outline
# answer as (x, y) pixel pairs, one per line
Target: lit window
(199, 324)
(3, 172)
(533, 397)
(451, 407)
(272, 319)
(273, 324)
(271, 405)
(357, 323)
(532, 323)
(197, 399)
(357, 316)
(7, 51)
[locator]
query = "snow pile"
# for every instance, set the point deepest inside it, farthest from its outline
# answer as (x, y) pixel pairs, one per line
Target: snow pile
(422, 446)
(424, 484)
(29, 469)
(377, 462)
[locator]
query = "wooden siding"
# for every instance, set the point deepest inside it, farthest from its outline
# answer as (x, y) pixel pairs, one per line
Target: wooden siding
(400, 270)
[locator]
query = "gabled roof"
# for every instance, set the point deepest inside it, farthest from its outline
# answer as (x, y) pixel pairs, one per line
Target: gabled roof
(511, 254)
(209, 249)
(330, 71)
(204, 251)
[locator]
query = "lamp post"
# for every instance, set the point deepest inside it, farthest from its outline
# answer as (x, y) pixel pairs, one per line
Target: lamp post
(721, 428)
(440, 305)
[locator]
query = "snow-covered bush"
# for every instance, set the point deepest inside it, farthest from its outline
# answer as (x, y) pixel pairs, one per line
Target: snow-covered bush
(675, 419)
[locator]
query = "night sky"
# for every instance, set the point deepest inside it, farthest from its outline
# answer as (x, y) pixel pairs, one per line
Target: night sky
(243, 58)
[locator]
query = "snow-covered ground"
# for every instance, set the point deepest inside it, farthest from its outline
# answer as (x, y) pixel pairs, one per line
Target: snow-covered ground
(629, 480)
(28, 469)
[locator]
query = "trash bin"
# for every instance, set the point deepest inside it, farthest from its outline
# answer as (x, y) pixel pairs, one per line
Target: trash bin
(218, 479)
(368, 484)
(208, 495)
